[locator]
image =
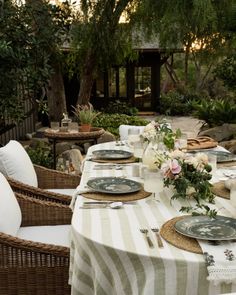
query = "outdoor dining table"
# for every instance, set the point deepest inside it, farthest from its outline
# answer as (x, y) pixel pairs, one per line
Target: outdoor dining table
(109, 255)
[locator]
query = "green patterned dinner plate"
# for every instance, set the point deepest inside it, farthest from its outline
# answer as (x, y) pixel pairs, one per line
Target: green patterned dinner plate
(206, 228)
(114, 185)
(112, 154)
(223, 156)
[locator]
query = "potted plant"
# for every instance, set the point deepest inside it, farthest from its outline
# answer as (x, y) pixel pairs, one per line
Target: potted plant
(85, 115)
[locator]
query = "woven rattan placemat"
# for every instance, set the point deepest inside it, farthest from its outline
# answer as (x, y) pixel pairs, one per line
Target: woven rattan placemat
(169, 233)
(220, 190)
(120, 161)
(122, 198)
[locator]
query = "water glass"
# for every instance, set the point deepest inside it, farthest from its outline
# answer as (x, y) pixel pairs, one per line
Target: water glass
(153, 181)
(212, 161)
(73, 127)
(182, 142)
(133, 136)
(138, 149)
(55, 126)
(233, 196)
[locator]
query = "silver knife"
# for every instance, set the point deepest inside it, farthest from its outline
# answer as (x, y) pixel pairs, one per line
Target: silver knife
(107, 202)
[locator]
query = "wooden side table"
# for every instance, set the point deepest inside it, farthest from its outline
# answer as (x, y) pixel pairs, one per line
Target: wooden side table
(57, 136)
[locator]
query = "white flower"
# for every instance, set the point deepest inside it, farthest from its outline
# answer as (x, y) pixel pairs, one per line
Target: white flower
(202, 158)
(192, 161)
(177, 154)
(150, 131)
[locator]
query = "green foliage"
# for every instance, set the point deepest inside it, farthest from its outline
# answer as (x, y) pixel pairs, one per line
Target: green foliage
(169, 136)
(30, 35)
(226, 71)
(111, 122)
(191, 183)
(174, 103)
(41, 154)
(98, 37)
(120, 107)
(216, 112)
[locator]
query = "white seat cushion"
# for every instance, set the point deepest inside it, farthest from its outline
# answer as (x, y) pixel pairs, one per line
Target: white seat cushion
(48, 234)
(123, 130)
(15, 163)
(66, 191)
(10, 212)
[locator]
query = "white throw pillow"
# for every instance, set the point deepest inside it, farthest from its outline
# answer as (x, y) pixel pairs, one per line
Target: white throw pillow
(15, 163)
(10, 212)
(123, 130)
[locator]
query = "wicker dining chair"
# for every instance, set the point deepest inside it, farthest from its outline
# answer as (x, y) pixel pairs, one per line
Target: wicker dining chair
(28, 267)
(48, 179)
(33, 180)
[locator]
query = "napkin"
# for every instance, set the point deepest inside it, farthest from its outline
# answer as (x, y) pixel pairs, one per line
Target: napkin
(220, 260)
(79, 190)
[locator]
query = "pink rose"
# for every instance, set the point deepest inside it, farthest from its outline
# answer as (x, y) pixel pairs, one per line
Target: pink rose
(175, 167)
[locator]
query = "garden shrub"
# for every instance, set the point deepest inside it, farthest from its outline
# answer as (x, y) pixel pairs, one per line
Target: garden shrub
(174, 103)
(41, 154)
(215, 112)
(111, 122)
(120, 107)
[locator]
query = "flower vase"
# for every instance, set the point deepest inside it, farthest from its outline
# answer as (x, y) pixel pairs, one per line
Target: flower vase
(149, 155)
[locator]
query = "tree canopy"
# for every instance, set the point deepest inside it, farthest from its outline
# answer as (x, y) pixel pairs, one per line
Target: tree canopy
(33, 34)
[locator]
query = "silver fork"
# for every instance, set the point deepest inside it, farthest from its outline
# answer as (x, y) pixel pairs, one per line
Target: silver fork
(159, 241)
(149, 241)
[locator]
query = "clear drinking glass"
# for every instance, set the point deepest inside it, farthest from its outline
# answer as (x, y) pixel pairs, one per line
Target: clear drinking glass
(138, 149)
(73, 127)
(212, 160)
(182, 142)
(233, 194)
(153, 182)
(55, 126)
(133, 136)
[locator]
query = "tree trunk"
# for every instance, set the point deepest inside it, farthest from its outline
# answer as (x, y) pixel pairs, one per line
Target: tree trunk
(186, 59)
(87, 79)
(56, 94)
(86, 85)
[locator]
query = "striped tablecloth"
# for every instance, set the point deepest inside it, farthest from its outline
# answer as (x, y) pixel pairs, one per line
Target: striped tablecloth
(109, 255)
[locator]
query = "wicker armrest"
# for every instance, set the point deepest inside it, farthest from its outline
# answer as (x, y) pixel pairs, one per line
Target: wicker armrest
(37, 212)
(21, 245)
(49, 178)
(27, 267)
(38, 193)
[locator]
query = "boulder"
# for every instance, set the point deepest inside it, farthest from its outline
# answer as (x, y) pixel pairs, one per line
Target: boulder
(230, 145)
(106, 137)
(62, 147)
(220, 133)
(74, 156)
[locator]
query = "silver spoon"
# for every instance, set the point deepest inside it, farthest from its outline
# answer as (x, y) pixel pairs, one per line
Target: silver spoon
(112, 205)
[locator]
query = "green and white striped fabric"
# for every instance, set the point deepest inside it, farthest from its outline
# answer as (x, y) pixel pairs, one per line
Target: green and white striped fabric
(109, 255)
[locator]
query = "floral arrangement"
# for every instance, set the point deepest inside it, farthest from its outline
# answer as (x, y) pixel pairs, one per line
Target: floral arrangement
(189, 176)
(160, 132)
